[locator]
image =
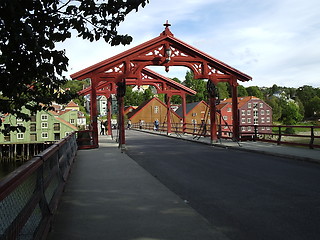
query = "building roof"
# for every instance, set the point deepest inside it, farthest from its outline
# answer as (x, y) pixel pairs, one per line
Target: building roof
(72, 104)
(189, 107)
(134, 112)
(66, 123)
(241, 100)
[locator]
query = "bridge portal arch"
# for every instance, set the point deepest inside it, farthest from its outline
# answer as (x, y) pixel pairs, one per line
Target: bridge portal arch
(165, 50)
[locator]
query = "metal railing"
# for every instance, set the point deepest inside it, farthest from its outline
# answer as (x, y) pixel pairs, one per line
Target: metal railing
(308, 136)
(29, 195)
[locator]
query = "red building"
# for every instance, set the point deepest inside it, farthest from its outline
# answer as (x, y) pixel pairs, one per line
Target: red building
(252, 112)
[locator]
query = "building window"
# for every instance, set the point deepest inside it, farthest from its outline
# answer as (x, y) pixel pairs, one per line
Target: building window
(262, 120)
(255, 113)
(56, 126)
(194, 121)
(261, 105)
(249, 128)
(44, 125)
(33, 137)
(156, 109)
(249, 105)
(255, 105)
(268, 112)
(225, 118)
(268, 128)
(255, 121)
(33, 118)
(194, 114)
(243, 129)
(243, 120)
(248, 120)
(243, 112)
(268, 119)
(262, 112)
(32, 127)
(20, 136)
(44, 117)
(248, 112)
(228, 109)
(66, 134)
(44, 135)
(263, 128)
(72, 121)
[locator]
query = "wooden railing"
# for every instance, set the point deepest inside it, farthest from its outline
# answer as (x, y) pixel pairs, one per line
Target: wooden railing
(308, 136)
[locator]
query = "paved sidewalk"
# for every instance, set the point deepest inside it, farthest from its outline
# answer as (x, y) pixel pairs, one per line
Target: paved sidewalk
(299, 153)
(109, 196)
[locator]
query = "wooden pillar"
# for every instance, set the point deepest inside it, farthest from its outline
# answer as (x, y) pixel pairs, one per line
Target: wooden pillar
(94, 111)
(168, 99)
(235, 113)
(109, 115)
(213, 123)
(121, 91)
(184, 112)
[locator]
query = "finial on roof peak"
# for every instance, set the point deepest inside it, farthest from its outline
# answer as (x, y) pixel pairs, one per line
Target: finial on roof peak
(167, 31)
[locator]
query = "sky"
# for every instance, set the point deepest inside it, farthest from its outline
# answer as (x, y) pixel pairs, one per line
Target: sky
(273, 41)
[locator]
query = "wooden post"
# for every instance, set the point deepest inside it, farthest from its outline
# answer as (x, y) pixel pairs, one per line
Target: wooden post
(109, 115)
(168, 98)
(235, 114)
(213, 124)
(184, 112)
(94, 112)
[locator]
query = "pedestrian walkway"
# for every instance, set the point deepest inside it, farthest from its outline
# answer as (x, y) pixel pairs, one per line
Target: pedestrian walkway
(299, 153)
(109, 196)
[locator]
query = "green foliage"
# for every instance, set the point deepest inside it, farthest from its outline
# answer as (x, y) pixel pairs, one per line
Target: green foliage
(254, 91)
(276, 108)
(199, 85)
(31, 69)
(223, 90)
(242, 91)
(314, 106)
(290, 113)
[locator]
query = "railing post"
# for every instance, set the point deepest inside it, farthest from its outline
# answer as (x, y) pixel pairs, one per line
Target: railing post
(279, 136)
(312, 138)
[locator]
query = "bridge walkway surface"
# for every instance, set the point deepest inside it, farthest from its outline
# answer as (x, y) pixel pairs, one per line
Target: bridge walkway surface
(109, 196)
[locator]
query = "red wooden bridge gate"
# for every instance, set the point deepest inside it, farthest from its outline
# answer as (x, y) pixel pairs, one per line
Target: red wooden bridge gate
(113, 74)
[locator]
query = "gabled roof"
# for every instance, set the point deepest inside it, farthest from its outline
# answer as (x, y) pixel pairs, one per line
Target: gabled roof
(72, 104)
(144, 104)
(165, 37)
(241, 100)
(66, 123)
(189, 107)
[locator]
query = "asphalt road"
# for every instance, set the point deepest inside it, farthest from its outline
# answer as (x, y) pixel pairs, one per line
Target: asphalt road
(248, 196)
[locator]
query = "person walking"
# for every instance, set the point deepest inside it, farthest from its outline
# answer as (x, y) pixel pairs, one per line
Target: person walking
(102, 128)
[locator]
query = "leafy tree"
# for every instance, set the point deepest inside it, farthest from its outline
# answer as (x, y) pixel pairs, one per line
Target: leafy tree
(223, 90)
(242, 92)
(305, 94)
(199, 85)
(276, 108)
(315, 106)
(31, 69)
(254, 91)
(290, 113)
